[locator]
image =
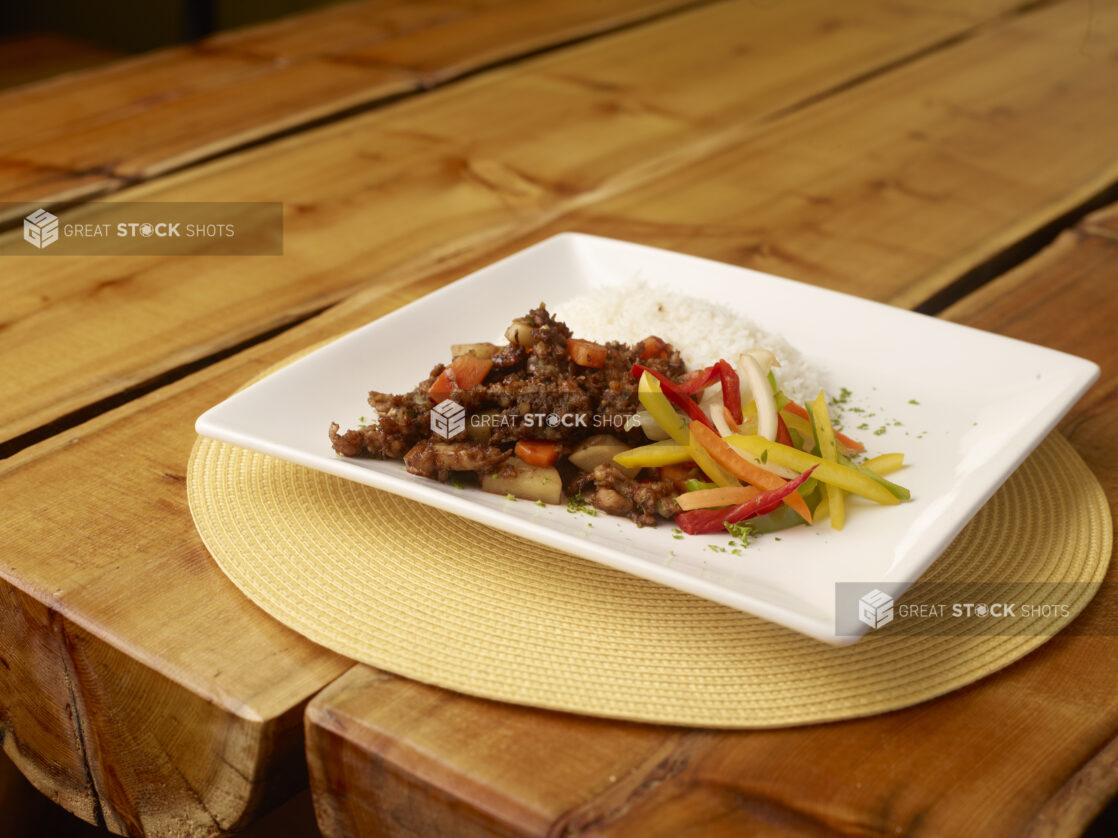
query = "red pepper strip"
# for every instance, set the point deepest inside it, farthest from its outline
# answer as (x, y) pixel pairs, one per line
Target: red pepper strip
(731, 390)
(782, 435)
(675, 395)
(693, 382)
(704, 521)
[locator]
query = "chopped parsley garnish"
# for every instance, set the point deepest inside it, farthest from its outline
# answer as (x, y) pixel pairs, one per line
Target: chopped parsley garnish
(457, 484)
(540, 502)
(765, 455)
(913, 401)
(741, 531)
(577, 503)
(510, 496)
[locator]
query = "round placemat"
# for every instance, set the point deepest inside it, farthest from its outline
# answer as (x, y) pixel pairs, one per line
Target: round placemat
(441, 599)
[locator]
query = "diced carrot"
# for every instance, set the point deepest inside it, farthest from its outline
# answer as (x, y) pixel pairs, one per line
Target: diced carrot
(722, 496)
(742, 469)
(464, 372)
(846, 442)
(537, 452)
(652, 347)
(586, 353)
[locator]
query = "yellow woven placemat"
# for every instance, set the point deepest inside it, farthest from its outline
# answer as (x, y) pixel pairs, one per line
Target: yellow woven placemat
(441, 599)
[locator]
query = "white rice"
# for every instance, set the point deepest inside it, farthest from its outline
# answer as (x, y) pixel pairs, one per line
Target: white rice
(702, 331)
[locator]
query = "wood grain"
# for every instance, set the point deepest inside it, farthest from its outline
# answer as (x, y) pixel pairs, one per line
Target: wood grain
(894, 190)
(141, 117)
(1028, 751)
(171, 706)
(40, 55)
(516, 153)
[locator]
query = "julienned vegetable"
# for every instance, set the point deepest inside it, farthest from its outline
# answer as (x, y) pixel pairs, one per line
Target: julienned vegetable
(737, 465)
(762, 396)
(674, 395)
(843, 440)
(700, 521)
(767, 466)
(654, 455)
(834, 474)
(656, 403)
(828, 450)
(722, 496)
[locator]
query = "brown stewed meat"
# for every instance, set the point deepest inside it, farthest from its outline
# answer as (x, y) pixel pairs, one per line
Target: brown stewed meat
(529, 395)
(436, 459)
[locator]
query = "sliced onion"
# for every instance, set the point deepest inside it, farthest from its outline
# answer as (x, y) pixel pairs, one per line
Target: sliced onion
(764, 358)
(651, 429)
(711, 404)
(749, 369)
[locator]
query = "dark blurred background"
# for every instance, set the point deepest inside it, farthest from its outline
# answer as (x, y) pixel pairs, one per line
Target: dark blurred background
(42, 38)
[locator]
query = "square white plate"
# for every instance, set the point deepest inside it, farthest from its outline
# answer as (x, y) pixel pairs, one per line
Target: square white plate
(964, 406)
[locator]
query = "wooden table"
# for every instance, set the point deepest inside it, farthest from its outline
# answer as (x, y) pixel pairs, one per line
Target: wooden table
(944, 157)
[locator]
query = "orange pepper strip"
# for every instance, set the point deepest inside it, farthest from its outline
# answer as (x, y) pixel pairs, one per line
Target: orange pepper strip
(742, 469)
(722, 496)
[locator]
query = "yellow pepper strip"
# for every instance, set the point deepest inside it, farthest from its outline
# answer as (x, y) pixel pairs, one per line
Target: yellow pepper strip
(885, 463)
(825, 435)
(656, 403)
(839, 475)
(798, 424)
(667, 452)
(822, 510)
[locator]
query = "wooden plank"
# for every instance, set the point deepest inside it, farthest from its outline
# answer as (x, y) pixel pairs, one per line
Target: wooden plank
(898, 189)
(184, 721)
(1102, 223)
(143, 116)
(392, 757)
(40, 55)
(501, 156)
